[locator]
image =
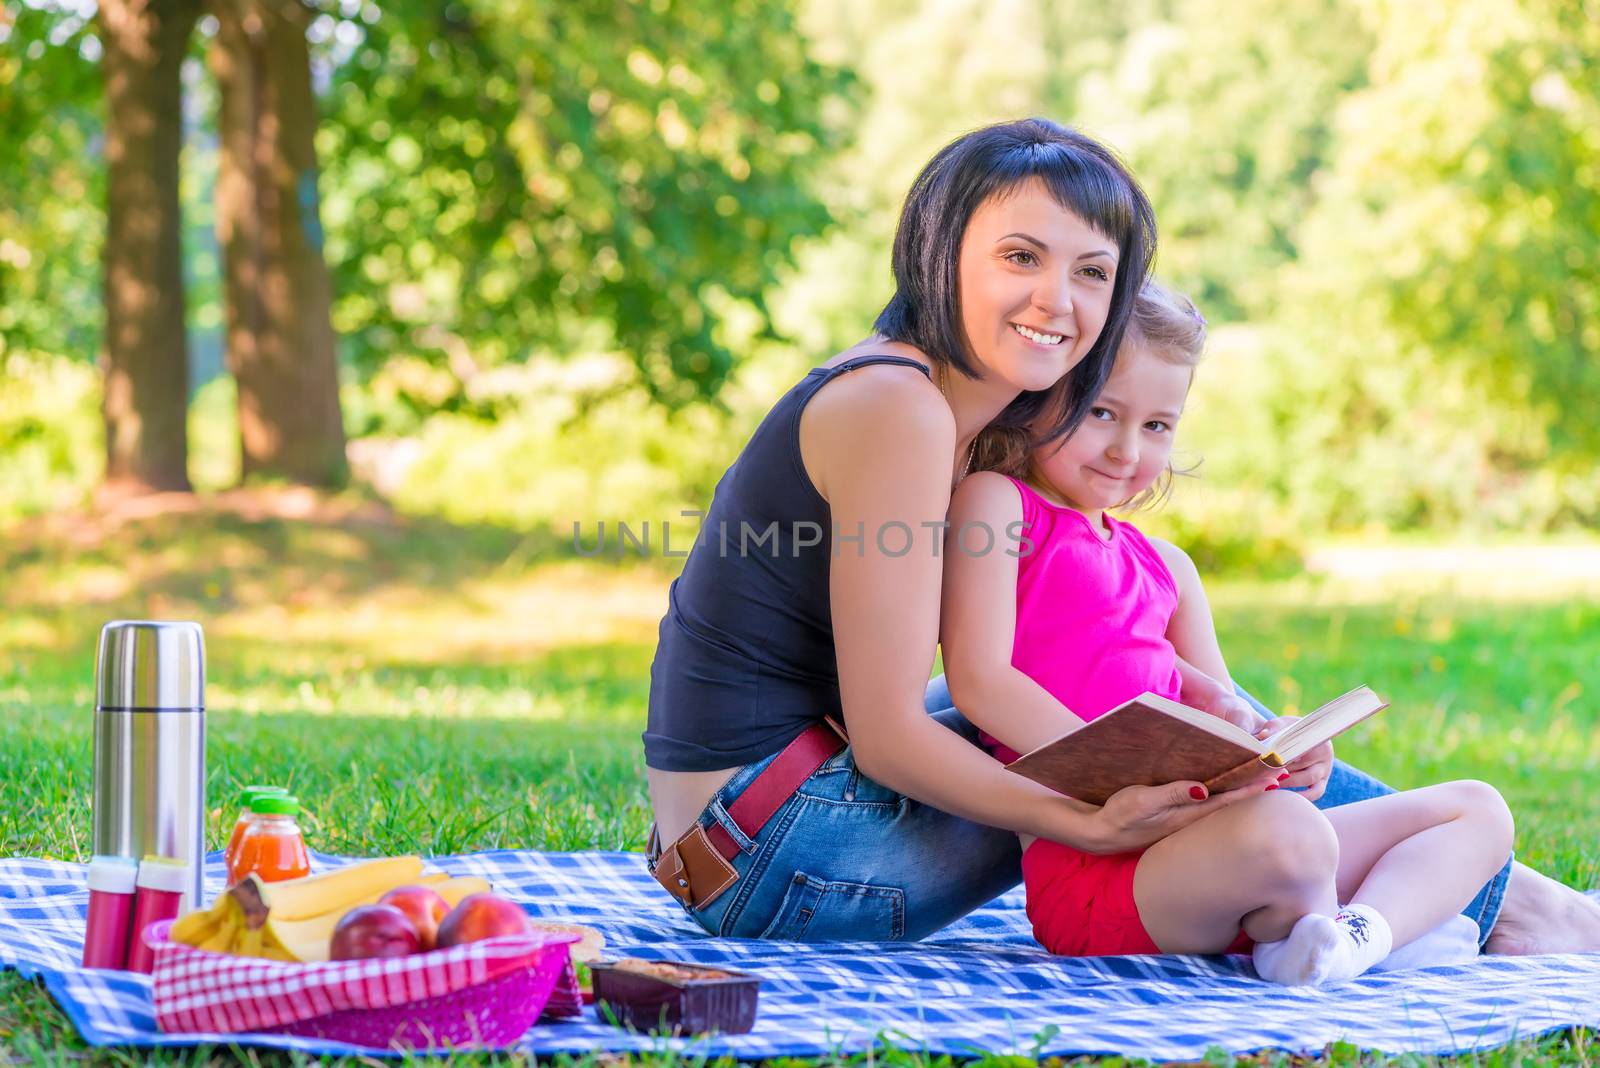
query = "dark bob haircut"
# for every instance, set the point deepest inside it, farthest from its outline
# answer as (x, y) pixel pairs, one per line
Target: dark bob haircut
(1085, 178)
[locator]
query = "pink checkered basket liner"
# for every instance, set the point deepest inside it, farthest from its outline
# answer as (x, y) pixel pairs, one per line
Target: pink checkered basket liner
(482, 994)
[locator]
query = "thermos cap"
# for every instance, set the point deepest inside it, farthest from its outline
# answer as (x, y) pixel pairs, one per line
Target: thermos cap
(113, 875)
(164, 873)
(150, 666)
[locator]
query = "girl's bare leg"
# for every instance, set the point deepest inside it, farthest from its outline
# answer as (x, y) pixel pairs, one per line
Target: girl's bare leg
(1418, 857)
(1262, 863)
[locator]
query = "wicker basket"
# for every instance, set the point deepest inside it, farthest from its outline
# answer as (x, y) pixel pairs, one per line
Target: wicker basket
(482, 995)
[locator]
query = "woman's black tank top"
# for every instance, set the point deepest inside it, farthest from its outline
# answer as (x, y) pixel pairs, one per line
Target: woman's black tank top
(746, 660)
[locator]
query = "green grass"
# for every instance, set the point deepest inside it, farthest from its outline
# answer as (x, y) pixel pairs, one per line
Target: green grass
(431, 688)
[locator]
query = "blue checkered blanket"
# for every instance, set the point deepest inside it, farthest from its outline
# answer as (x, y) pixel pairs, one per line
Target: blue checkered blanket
(981, 985)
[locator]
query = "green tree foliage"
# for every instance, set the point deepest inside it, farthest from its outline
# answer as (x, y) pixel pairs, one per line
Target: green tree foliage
(1466, 194)
(52, 190)
(1225, 108)
(507, 178)
(1431, 359)
(1387, 209)
(928, 72)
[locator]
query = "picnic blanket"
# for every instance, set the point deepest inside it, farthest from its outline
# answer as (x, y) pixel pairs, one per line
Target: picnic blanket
(980, 985)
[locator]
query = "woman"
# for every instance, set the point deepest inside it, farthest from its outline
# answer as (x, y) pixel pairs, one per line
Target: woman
(810, 604)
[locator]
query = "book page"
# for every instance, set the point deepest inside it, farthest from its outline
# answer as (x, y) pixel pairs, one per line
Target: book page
(1204, 720)
(1333, 718)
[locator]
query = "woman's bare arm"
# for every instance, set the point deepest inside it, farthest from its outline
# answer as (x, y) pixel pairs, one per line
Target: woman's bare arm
(870, 448)
(979, 621)
(868, 442)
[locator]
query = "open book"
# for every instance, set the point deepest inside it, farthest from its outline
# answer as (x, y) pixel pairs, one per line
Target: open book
(1150, 740)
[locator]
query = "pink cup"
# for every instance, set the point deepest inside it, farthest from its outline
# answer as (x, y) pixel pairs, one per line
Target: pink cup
(162, 884)
(111, 895)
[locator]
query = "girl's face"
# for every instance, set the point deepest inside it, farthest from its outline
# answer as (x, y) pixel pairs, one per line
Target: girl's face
(1124, 442)
(1035, 287)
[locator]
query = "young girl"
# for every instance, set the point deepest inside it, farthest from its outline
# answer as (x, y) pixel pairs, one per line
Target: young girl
(1086, 612)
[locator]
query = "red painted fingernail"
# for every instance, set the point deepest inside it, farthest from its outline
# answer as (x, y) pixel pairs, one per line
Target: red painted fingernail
(1284, 776)
(1197, 792)
(1272, 786)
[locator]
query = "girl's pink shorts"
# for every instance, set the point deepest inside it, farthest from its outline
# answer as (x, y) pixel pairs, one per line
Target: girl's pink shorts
(1081, 904)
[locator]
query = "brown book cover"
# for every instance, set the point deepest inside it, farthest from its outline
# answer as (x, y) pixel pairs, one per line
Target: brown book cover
(1151, 740)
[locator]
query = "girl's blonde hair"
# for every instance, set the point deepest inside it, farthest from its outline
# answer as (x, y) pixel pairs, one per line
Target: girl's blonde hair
(1164, 323)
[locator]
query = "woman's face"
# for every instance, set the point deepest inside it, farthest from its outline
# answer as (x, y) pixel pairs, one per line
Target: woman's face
(1035, 286)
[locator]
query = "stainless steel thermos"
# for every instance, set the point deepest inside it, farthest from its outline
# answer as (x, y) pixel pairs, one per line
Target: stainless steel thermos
(150, 745)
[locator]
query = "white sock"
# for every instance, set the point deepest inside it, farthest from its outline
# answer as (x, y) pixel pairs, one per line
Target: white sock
(1326, 949)
(1455, 941)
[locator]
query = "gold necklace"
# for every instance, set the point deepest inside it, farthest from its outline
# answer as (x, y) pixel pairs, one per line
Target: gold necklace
(971, 448)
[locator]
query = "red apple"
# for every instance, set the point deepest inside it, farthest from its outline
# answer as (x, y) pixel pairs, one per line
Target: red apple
(480, 916)
(373, 931)
(423, 907)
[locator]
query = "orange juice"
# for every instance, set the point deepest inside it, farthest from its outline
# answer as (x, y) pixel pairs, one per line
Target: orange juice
(246, 795)
(271, 847)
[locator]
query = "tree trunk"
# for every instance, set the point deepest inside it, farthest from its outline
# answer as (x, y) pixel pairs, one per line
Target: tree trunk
(280, 343)
(147, 357)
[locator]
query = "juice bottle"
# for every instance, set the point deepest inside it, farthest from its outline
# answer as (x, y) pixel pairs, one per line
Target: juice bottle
(246, 795)
(271, 846)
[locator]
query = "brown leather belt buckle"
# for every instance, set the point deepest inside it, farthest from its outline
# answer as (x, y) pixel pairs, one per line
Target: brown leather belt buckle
(692, 870)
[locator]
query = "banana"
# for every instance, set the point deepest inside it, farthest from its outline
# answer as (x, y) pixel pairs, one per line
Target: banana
(248, 943)
(308, 939)
(220, 940)
(194, 928)
(277, 952)
(214, 929)
(339, 890)
(453, 890)
(294, 920)
(255, 934)
(303, 945)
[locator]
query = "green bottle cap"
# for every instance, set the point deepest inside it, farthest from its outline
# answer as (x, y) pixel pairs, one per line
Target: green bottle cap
(276, 805)
(248, 794)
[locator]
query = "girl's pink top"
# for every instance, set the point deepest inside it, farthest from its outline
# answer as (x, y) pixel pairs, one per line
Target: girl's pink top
(1092, 611)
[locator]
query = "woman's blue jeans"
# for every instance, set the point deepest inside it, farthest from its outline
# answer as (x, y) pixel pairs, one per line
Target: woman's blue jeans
(846, 859)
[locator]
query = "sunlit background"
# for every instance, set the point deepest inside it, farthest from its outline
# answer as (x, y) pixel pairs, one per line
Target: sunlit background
(553, 261)
(323, 325)
(576, 249)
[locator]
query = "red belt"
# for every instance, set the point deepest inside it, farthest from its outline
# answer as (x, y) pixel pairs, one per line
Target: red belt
(697, 868)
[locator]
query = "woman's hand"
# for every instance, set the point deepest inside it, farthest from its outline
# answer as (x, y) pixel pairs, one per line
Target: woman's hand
(1138, 816)
(1311, 771)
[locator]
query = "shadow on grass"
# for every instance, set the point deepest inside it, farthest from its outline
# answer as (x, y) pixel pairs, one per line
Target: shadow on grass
(182, 555)
(425, 686)
(331, 605)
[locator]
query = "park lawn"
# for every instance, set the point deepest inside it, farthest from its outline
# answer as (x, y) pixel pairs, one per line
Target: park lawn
(435, 688)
